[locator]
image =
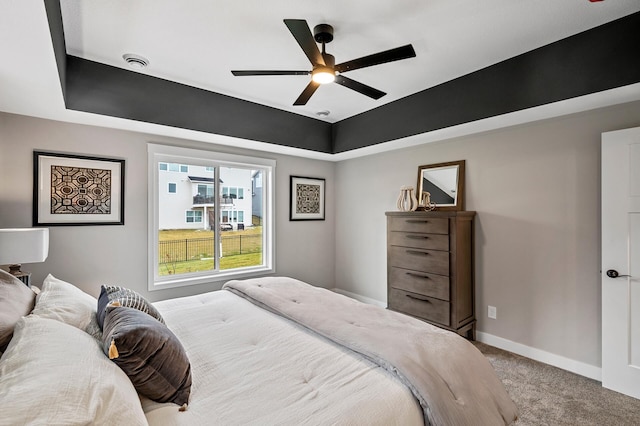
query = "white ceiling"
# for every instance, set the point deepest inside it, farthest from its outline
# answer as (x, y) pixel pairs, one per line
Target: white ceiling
(198, 42)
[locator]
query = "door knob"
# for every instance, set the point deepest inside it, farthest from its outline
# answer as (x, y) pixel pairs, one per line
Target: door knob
(612, 273)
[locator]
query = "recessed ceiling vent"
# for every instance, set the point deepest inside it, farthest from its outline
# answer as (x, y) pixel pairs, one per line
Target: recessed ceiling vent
(135, 61)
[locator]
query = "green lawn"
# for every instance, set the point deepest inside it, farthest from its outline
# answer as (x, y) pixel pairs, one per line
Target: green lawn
(181, 234)
(239, 248)
(229, 262)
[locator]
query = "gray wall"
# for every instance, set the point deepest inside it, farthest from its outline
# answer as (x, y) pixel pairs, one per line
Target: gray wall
(536, 189)
(89, 256)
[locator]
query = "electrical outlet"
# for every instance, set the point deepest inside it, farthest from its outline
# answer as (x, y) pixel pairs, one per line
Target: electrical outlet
(492, 312)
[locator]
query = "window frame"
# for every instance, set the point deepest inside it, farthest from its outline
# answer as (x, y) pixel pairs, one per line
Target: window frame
(194, 216)
(207, 187)
(158, 153)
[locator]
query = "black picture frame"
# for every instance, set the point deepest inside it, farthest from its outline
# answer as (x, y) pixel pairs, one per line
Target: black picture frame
(306, 198)
(77, 190)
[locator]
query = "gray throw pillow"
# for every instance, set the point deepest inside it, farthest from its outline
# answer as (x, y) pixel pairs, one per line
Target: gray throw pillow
(126, 297)
(149, 353)
(16, 301)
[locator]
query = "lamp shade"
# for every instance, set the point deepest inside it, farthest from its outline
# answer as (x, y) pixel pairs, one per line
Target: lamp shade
(23, 245)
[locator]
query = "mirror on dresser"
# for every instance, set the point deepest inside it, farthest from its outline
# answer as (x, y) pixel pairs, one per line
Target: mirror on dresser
(445, 184)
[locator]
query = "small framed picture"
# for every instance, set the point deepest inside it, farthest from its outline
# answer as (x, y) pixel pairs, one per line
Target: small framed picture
(307, 198)
(71, 190)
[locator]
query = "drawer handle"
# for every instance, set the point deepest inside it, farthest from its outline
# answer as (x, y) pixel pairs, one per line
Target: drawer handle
(413, 274)
(417, 237)
(423, 253)
(417, 221)
(418, 298)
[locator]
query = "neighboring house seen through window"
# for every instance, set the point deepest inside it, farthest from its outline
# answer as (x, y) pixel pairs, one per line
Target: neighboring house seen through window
(202, 228)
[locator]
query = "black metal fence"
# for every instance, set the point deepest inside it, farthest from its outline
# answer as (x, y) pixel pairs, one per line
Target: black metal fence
(202, 248)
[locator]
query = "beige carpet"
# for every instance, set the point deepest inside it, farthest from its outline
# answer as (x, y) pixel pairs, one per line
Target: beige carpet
(547, 395)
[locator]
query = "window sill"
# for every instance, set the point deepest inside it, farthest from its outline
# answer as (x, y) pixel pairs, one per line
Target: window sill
(184, 281)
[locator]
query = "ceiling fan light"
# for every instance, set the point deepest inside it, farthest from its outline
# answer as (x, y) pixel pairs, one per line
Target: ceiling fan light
(323, 75)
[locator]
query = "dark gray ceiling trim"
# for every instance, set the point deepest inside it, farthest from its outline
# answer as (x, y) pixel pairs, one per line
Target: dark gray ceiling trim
(599, 59)
(54, 16)
(103, 89)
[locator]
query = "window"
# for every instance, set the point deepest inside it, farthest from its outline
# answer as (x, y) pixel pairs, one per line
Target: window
(174, 167)
(232, 216)
(194, 216)
(205, 190)
(229, 216)
(184, 245)
(231, 192)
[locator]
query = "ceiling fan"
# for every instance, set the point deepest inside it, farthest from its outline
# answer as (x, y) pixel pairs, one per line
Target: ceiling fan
(324, 65)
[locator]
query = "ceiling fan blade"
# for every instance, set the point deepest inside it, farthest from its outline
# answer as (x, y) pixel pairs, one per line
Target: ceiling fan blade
(301, 32)
(306, 93)
(390, 55)
(250, 73)
(359, 87)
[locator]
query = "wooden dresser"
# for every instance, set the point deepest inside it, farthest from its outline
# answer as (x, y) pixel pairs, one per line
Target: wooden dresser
(430, 268)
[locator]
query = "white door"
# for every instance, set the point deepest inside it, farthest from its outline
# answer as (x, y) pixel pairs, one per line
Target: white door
(621, 261)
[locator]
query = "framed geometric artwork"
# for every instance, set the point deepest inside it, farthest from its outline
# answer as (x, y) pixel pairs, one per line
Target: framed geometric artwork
(306, 198)
(72, 190)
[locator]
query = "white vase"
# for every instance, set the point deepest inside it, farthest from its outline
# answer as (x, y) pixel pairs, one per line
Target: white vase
(407, 200)
(414, 199)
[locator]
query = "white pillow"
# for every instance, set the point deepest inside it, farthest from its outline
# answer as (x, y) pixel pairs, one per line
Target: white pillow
(66, 303)
(16, 301)
(52, 373)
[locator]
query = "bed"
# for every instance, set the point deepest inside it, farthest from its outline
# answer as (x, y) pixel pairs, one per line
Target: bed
(260, 352)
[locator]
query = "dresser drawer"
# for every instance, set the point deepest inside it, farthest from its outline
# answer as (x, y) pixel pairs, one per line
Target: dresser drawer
(425, 241)
(436, 262)
(420, 283)
(417, 224)
(419, 306)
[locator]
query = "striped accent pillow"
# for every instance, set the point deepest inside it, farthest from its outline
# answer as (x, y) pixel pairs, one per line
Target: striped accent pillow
(125, 297)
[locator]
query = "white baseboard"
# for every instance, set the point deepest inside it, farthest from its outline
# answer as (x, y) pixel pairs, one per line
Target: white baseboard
(362, 299)
(587, 370)
(577, 367)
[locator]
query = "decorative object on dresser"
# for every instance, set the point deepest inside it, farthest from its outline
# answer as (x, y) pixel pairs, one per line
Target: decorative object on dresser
(427, 204)
(407, 200)
(430, 268)
(23, 245)
(77, 190)
(444, 182)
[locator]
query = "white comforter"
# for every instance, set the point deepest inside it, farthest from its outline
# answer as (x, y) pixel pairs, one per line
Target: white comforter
(251, 367)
